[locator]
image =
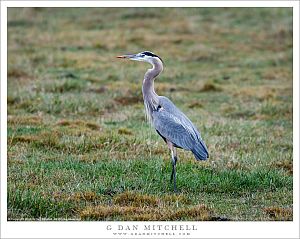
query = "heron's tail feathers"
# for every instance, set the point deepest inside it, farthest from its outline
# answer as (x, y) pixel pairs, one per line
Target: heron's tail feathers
(200, 151)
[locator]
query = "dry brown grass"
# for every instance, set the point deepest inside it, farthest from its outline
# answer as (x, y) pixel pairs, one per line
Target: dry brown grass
(15, 161)
(233, 165)
(109, 212)
(199, 212)
(44, 139)
(23, 139)
(286, 165)
(132, 213)
(86, 196)
(277, 74)
(79, 123)
(25, 120)
(136, 200)
(90, 158)
(259, 92)
(160, 150)
(279, 213)
(17, 73)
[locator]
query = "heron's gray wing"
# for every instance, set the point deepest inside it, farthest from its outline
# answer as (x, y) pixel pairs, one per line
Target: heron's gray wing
(172, 124)
(168, 105)
(171, 128)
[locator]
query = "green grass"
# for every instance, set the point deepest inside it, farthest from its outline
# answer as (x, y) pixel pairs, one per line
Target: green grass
(78, 143)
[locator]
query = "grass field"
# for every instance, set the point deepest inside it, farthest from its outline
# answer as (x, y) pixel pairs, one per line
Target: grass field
(79, 146)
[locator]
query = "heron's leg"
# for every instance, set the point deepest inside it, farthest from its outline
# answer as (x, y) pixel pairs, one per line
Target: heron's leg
(174, 160)
(172, 174)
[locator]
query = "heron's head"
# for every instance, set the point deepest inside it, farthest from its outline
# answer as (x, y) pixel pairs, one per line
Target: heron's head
(146, 56)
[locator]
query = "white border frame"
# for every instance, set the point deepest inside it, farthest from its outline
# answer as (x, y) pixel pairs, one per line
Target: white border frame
(98, 229)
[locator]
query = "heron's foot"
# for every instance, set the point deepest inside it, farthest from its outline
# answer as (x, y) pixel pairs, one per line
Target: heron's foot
(175, 189)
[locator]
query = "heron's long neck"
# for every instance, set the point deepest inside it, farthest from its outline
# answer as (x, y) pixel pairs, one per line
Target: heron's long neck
(149, 94)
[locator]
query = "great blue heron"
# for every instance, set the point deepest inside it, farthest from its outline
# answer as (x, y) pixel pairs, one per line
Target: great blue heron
(170, 123)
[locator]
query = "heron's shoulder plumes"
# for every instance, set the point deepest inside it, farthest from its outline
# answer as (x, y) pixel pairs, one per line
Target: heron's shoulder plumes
(150, 106)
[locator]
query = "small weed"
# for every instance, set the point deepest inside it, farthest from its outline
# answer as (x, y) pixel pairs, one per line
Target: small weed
(210, 87)
(65, 86)
(195, 104)
(17, 73)
(128, 100)
(124, 131)
(101, 89)
(100, 46)
(77, 196)
(173, 198)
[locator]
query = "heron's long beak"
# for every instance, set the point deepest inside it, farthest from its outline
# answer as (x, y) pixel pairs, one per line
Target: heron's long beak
(126, 56)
